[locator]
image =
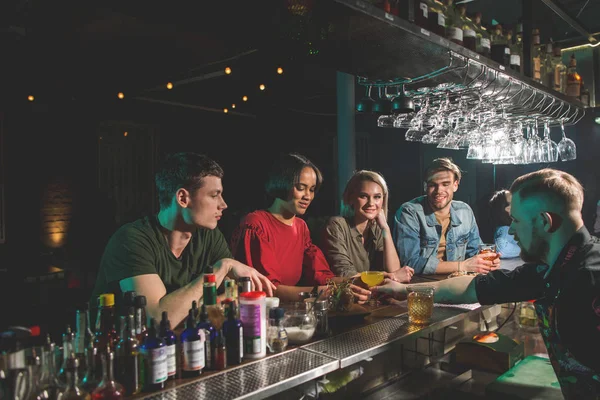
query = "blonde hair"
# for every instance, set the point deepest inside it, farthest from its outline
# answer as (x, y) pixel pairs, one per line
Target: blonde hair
(551, 183)
(443, 164)
(353, 186)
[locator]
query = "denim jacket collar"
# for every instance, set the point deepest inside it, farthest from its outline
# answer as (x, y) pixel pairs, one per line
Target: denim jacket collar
(430, 215)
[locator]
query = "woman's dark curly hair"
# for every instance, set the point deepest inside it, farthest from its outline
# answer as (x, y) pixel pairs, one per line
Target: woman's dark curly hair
(498, 203)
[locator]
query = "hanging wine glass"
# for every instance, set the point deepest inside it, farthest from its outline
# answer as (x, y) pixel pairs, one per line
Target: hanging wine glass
(550, 148)
(365, 105)
(566, 147)
(383, 105)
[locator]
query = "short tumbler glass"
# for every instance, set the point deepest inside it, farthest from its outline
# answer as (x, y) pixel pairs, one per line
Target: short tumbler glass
(420, 304)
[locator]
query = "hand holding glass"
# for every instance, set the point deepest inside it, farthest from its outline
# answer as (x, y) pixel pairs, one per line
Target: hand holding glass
(372, 278)
(488, 248)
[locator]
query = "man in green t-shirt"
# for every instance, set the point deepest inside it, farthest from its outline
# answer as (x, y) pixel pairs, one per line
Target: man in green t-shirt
(164, 256)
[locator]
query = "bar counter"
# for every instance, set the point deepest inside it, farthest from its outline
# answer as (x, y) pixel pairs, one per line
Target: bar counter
(352, 341)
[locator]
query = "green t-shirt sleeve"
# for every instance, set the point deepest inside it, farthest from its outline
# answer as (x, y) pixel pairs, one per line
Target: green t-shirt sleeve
(129, 253)
(219, 248)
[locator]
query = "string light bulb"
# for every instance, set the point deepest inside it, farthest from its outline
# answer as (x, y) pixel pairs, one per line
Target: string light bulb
(262, 87)
(233, 105)
(169, 85)
(120, 95)
(225, 110)
(30, 98)
(125, 133)
(245, 98)
(279, 70)
(227, 70)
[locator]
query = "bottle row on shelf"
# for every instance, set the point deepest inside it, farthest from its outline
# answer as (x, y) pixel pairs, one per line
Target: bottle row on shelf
(127, 352)
(497, 42)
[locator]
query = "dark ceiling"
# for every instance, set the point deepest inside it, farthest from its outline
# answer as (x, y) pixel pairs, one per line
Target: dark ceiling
(73, 50)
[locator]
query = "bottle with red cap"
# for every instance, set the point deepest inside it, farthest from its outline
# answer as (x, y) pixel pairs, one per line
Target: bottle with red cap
(210, 290)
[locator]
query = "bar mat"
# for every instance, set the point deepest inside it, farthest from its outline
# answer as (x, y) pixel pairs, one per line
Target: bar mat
(473, 306)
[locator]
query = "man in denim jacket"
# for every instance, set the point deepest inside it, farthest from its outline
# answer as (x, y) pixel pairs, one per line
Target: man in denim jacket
(436, 235)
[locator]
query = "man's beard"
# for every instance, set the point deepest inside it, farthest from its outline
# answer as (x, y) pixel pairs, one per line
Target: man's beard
(538, 250)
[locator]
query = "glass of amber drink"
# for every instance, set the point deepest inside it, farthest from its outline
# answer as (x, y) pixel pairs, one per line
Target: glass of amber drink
(420, 304)
(488, 248)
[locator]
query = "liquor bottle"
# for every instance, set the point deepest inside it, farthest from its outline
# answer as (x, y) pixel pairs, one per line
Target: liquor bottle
(536, 56)
(500, 49)
(585, 95)
(229, 289)
(108, 388)
(170, 338)
(141, 329)
(127, 355)
(34, 387)
(437, 17)
(391, 6)
(72, 390)
(90, 379)
(234, 336)
(154, 360)
(560, 70)
(519, 30)
(49, 379)
(105, 334)
(547, 67)
(84, 338)
(468, 28)
(209, 291)
(454, 30)
(192, 345)
(220, 352)
(195, 311)
(127, 301)
(209, 335)
(244, 283)
(421, 13)
(484, 44)
(573, 79)
(68, 344)
(515, 52)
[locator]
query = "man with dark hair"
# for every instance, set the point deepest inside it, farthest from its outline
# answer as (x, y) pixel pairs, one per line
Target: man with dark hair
(562, 276)
(164, 256)
(435, 234)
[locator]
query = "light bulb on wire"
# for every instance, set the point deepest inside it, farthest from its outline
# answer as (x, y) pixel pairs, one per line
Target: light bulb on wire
(245, 98)
(262, 86)
(225, 110)
(279, 70)
(227, 70)
(30, 98)
(169, 85)
(120, 95)
(233, 105)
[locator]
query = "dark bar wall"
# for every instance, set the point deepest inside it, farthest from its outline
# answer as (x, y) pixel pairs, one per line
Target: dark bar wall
(58, 215)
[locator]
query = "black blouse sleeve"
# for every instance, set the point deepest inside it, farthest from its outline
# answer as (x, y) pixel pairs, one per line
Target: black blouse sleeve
(504, 286)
